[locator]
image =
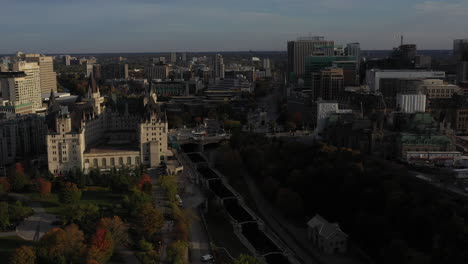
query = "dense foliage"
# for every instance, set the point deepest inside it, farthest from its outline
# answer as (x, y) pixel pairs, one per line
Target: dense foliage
(394, 217)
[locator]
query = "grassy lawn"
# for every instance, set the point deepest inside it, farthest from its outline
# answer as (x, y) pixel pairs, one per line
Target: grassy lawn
(221, 232)
(9, 244)
(100, 196)
(50, 202)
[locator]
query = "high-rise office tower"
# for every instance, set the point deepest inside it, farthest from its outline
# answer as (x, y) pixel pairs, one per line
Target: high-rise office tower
(408, 51)
(173, 57)
(21, 87)
(460, 51)
(48, 76)
(315, 64)
(66, 60)
(266, 63)
(328, 83)
(307, 46)
(353, 50)
(218, 67)
(184, 56)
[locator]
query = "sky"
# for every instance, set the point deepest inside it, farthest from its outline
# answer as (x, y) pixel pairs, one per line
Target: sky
(96, 26)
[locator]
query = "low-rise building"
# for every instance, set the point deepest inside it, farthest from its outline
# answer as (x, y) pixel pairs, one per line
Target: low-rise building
(411, 103)
(435, 88)
(327, 237)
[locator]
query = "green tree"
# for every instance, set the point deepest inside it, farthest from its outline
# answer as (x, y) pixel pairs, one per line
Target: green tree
(135, 200)
(246, 259)
(23, 255)
(169, 184)
(69, 193)
(4, 216)
(19, 181)
(289, 202)
(177, 252)
(18, 211)
(149, 220)
(84, 215)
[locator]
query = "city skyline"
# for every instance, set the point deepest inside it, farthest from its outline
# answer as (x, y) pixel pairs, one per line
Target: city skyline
(155, 26)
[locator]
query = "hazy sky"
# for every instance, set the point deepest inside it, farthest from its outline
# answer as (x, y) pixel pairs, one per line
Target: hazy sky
(67, 26)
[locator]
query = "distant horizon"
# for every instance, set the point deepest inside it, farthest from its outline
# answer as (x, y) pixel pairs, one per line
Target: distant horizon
(133, 26)
(192, 52)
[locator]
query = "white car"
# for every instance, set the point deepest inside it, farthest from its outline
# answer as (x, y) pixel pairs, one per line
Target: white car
(207, 257)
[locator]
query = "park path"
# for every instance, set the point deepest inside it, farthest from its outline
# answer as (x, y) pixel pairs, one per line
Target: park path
(34, 227)
(128, 255)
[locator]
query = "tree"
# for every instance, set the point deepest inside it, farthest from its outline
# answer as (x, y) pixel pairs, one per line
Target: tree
(136, 199)
(149, 220)
(4, 216)
(270, 187)
(144, 184)
(19, 168)
(101, 246)
(18, 211)
(169, 184)
(177, 252)
(62, 246)
(5, 184)
(289, 202)
(23, 255)
(19, 180)
(69, 193)
(246, 259)
(116, 228)
(44, 186)
(73, 243)
(147, 188)
(84, 215)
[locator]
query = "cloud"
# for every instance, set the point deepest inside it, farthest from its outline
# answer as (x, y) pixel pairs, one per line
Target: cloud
(445, 9)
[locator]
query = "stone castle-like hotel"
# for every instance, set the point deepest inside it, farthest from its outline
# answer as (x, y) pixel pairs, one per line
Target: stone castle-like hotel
(94, 134)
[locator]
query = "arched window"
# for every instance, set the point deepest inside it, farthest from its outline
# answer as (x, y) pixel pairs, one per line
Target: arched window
(95, 163)
(121, 161)
(112, 162)
(137, 160)
(104, 162)
(129, 161)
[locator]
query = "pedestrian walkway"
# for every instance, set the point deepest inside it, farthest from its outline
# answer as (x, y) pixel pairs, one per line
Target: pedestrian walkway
(34, 227)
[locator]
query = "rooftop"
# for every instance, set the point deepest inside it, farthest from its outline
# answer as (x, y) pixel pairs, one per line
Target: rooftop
(112, 146)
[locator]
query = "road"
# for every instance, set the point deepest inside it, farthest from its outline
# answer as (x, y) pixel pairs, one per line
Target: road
(192, 198)
(432, 179)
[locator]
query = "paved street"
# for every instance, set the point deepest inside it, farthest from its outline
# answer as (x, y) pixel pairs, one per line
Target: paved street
(192, 198)
(432, 179)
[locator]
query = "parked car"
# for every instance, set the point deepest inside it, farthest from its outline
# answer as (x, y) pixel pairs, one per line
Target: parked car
(207, 257)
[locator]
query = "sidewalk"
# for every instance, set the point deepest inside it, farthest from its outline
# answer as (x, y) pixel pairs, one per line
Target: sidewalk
(35, 226)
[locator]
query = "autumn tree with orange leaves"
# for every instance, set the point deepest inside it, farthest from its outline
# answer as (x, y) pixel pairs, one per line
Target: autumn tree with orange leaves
(44, 186)
(101, 248)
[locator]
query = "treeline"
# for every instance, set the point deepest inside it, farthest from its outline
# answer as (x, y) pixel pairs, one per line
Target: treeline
(121, 213)
(394, 217)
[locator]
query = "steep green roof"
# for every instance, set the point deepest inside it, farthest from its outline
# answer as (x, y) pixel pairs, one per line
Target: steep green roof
(412, 139)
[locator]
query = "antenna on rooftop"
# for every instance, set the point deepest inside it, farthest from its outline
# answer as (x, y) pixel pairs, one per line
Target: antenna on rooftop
(401, 42)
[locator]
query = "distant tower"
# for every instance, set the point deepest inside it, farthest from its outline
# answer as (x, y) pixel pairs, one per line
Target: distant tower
(401, 40)
(218, 67)
(94, 96)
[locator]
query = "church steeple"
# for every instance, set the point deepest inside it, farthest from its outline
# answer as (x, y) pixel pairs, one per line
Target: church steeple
(93, 88)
